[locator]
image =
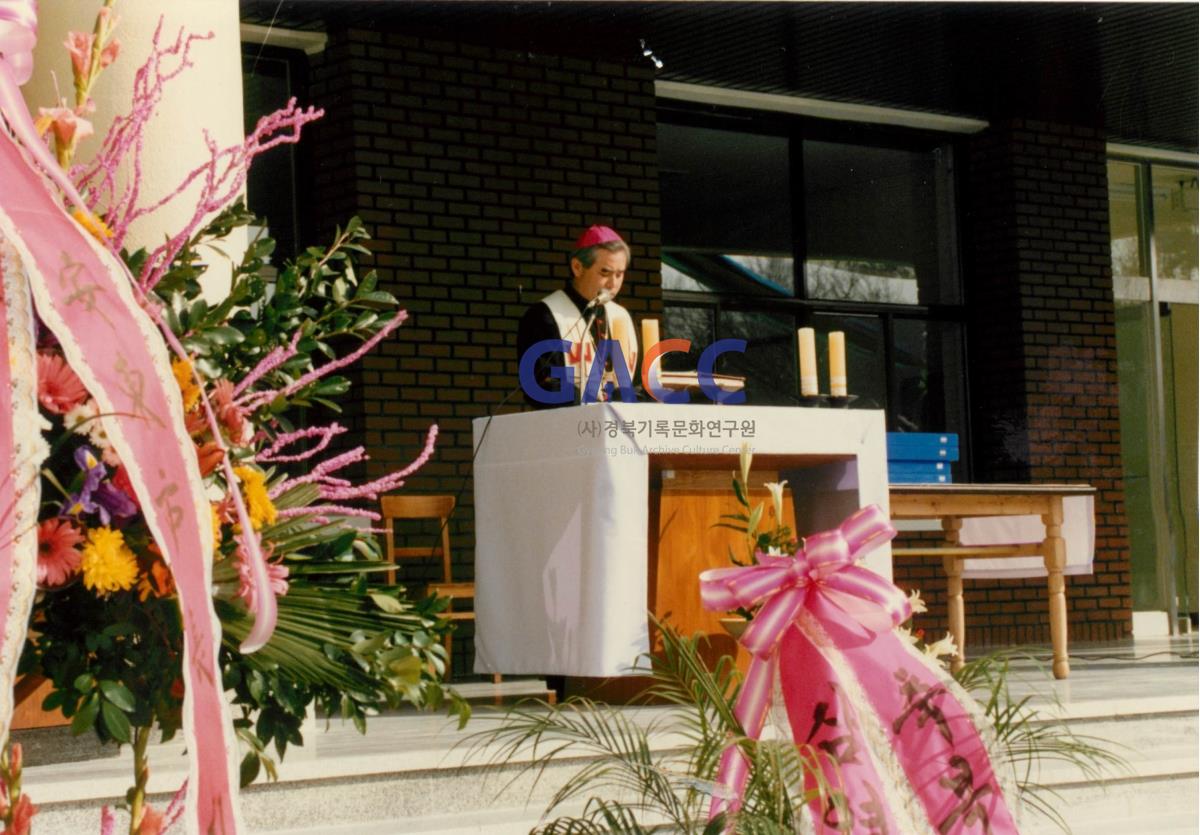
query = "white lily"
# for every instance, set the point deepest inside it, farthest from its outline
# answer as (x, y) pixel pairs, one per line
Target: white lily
(776, 490)
(943, 648)
(744, 458)
(917, 604)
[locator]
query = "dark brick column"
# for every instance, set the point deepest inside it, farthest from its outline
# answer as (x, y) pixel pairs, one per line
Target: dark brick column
(474, 167)
(1043, 362)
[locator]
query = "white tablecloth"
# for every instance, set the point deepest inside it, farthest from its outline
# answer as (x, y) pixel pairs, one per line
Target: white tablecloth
(561, 499)
(1078, 529)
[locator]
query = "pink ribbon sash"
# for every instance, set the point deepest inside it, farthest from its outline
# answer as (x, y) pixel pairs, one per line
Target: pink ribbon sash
(83, 295)
(20, 458)
(819, 614)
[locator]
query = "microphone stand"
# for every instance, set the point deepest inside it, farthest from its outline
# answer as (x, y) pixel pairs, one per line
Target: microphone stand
(603, 297)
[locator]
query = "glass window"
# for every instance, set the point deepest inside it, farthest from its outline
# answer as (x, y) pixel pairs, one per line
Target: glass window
(267, 84)
(928, 375)
(692, 323)
(877, 225)
(1123, 220)
(769, 363)
(1175, 214)
(726, 211)
(877, 228)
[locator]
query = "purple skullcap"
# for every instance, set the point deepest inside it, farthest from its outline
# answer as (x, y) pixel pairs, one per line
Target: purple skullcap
(596, 235)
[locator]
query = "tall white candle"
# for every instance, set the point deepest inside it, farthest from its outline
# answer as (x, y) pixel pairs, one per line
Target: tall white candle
(837, 364)
(808, 362)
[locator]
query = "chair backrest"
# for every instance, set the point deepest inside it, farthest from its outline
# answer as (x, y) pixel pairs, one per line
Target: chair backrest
(394, 508)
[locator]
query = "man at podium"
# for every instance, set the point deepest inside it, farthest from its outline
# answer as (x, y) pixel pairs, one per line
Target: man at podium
(584, 312)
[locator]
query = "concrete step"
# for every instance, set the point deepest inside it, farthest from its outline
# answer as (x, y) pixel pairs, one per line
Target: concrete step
(407, 777)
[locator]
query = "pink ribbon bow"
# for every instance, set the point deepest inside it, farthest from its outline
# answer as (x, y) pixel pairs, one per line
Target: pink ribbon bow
(822, 577)
(817, 605)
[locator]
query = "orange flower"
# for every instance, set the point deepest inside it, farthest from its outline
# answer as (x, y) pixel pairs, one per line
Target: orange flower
(157, 581)
(210, 455)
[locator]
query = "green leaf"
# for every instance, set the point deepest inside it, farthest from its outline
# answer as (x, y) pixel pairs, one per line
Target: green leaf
(248, 772)
(737, 491)
(115, 721)
(84, 683)
(224, 335)
(86, 717)
(755, 518)
(119, 695)
(407, 669)
(388, 603)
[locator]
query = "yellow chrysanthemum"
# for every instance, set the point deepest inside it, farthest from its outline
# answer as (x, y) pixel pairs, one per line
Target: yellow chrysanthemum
(92, 223)
(108, 564)
(216, 523)
(187, 383)
(254, 490)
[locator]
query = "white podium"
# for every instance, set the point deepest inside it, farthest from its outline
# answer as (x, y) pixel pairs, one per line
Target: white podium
(561, 499)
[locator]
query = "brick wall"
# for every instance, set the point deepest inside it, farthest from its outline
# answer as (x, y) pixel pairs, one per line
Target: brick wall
(1043, 363)
(475, 168)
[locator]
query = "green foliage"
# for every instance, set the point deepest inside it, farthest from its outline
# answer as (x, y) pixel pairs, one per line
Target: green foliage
(320, 296)
(346, 644)
(114, 661)
(629, 786)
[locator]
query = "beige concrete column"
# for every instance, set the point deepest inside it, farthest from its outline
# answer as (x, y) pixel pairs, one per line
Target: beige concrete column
(207, 96)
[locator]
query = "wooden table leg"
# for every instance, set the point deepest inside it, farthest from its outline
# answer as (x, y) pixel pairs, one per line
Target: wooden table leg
(1054, 552)
(954, 593)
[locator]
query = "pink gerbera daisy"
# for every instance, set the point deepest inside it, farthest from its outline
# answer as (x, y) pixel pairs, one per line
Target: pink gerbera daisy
(59, 390)
(58, 556)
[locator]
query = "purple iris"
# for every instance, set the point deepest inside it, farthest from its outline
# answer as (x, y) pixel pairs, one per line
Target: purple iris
(97, 496)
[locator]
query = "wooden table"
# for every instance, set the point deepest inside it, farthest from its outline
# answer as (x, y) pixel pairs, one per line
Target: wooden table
(950, 503)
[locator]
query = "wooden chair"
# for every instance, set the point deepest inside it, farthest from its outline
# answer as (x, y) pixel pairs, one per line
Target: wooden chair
(439, 508)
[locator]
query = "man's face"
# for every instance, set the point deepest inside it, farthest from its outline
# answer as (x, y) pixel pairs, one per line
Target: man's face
(606, 273)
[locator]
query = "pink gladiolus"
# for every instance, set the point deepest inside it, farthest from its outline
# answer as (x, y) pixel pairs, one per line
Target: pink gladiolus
(65, 123)
(59, 389)
(276, 573)
(110, 53)
(79, 44)
(231, 416)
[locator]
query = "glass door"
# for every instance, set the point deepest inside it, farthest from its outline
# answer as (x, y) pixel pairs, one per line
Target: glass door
(1153, 227)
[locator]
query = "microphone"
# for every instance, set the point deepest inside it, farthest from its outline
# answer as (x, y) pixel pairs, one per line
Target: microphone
(603, 297)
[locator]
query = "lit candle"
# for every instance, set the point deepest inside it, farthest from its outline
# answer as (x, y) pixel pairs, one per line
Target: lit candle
(837, 364)
(808, 362)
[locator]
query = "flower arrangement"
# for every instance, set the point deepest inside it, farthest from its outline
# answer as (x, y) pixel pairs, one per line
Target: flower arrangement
(673, 772)
(251, 369)
(767, 535)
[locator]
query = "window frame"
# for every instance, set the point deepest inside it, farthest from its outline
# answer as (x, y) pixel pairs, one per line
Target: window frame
(796, 129)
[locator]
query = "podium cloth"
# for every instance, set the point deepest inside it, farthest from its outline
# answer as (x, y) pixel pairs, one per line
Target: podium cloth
(1078, 531)
(561, 508)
